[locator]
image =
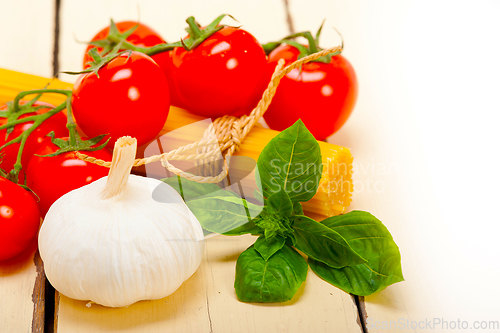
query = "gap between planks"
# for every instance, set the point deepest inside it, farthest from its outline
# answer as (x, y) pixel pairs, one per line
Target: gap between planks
(51, 301)
(38, 297)
(362, 316)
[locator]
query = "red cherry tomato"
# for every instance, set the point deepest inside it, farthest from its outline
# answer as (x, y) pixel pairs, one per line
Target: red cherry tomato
(164, 60)
(19, 219)
(143, 36)
(56, 123)
(130, 97)
(322, 95)
(224, 75)
(52, 177)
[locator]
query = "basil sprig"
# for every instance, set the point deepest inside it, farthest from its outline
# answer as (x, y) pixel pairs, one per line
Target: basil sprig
(354, 252)
(371, 239)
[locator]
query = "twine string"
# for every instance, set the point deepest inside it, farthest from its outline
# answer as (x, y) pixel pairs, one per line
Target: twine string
(229, 133)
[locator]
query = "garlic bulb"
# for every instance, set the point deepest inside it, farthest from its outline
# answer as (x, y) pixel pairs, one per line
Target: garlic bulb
(111, 243)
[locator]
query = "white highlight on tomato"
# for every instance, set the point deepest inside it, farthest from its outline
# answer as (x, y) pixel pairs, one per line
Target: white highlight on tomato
(133, 93)
(88, 179)
(221, 47)
(297, 75)
(75, 162)
(5, 211)
(26, 127)
(231, 63)
(326, 90)
(122, 74)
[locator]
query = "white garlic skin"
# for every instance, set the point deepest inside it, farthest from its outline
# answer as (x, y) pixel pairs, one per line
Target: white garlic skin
(120, 250)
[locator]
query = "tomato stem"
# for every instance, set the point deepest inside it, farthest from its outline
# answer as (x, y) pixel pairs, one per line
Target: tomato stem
(38, 91)
(158, 48)
(17, 104)
(74, 143)
(313, 48)
(195, 30)
(197, 35)
(304, 51)
(36, 119)
(14, 173)
(71, 123)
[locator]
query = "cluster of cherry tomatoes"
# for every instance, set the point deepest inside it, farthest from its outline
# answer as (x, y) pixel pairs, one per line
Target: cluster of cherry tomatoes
(225, 74)
(131, 77)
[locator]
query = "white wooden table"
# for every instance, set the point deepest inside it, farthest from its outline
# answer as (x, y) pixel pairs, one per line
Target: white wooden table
(424, 137)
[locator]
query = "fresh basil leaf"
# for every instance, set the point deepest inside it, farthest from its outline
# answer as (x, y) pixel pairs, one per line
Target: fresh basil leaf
(323, 244)
(247, 228)
(291, 162)
(223, 214)
(274, 280)
(190, 190)
(297, 209)
(371, 239)
(360, 279)
(280, 203)
(267, 248)
(217, 210)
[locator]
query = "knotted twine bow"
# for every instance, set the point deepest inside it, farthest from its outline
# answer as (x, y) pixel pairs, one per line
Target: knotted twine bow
(230, 131)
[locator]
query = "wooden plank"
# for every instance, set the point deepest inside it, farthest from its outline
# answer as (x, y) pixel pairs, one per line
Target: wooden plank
(207, 303)
(29, 48)
(28, 36)
(22, 280)
(81, 21)
(22, 292)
